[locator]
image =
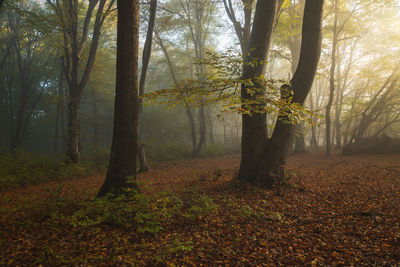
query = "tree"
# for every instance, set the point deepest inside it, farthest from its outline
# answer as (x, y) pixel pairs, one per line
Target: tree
(59, 121)
(376, 107)
(242, 32)
(145, 64)
(342, 21)
(288, 37)
(331, 79)
(273, 158)
(26, 72)
(122, 164)
(188, 110)
(254, 126)
(197, 19)
(75, 42)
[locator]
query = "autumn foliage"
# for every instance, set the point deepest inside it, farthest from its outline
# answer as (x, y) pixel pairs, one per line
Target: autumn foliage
(341, 210)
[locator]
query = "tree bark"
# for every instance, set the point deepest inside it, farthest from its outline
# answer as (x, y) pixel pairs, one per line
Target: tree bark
(73, 129)
(254, 126)
(273, 160)
(122, 164)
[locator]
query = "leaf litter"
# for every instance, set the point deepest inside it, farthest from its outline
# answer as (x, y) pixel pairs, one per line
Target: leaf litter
(342, 210)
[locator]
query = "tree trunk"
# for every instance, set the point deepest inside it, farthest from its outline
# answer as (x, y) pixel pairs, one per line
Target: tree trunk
(75, 43)
(145, 63)
(188, 110)
(338, 132)
(331, 82)
(192, 128)
(313, 141)
(141, 153)
(202, 131)
(211, 132)
(225, 137)
(300, 144)
(254, 126)
(95, 128)
(59, 111)
(273, 160)
(73, 151)
(122, 166)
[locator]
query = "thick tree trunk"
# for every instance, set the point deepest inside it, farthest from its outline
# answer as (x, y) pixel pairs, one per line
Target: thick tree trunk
(271, 166)
(122, 165)
(276, 150)
(73, 151)
(254, 126)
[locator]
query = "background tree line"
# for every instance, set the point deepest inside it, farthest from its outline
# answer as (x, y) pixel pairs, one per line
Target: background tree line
(57, 66)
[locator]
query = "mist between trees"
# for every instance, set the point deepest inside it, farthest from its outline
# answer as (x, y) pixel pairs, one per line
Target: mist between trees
(199, 132)
(198, 64)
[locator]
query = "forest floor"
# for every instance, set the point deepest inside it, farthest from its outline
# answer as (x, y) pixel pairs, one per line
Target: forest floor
(342, 210)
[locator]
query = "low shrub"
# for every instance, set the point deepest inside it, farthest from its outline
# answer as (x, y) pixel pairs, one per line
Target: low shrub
(201, 207)
(131, 209)
(145, 214)
(20, 168)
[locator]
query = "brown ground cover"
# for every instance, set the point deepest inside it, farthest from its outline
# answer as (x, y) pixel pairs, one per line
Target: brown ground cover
(343, 210)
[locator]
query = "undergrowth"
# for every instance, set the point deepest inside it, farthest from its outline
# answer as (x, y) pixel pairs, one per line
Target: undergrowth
(21, 168)
(145, 214)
